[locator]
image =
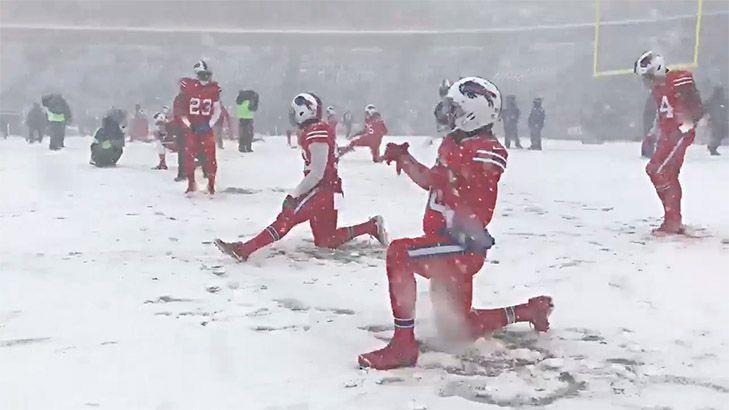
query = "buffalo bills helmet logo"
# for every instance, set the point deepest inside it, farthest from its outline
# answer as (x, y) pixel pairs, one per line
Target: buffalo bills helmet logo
(472, 89)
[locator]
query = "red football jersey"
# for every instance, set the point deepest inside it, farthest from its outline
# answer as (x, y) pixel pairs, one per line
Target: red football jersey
(198, 99)
(319, 132)
(673, 108)
(475, 165)
(374, 128)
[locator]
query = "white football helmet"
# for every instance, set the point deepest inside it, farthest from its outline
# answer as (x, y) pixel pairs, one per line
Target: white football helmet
(472, 103)
(650, 63)
(370, 110)
(330, 110)
(202, 71)
(304, 107)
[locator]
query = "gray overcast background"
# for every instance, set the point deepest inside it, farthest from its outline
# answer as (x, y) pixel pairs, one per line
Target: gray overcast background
(392, 54)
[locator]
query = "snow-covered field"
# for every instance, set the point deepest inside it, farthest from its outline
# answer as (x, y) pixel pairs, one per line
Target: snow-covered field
(112, 297)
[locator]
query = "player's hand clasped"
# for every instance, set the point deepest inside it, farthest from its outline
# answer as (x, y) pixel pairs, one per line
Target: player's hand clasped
(289, 205)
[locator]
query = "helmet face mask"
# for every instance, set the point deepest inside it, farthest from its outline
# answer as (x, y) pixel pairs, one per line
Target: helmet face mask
(650, 66)
(472, 103)
(202, 71)
(304, 107)
(370, 110)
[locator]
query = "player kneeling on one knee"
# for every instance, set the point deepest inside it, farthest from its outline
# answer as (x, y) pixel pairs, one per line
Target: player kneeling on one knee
(462, 189)
(313, 200)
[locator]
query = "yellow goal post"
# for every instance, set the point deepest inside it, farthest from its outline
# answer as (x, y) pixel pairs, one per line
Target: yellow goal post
(596, 72)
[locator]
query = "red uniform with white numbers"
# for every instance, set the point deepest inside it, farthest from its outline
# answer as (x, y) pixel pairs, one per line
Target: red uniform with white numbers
(370, 136)
(464, 186)
(316, 206)
(463, 189)
(197, 104)
(678, 103)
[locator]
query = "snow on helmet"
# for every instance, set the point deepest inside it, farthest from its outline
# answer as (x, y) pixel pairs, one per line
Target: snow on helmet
(473, 102)
(370, 110)
(330, 110)
(649, 63)
(304, 107)
(202, 71)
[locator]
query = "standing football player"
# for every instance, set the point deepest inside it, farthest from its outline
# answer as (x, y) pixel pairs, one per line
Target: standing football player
(201, 101)
(313, 199)
(463, 185)
(370, 136)
(679, 109)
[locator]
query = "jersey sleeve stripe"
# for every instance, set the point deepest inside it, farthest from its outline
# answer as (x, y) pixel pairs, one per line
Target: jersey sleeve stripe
(683, 83)
(317, 133)
(317, 137)
(686, 77)
(491, 161)
(483, 152)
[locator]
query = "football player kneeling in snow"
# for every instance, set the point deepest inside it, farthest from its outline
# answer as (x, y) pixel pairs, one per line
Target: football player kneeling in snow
(313, 199)
(463, 185)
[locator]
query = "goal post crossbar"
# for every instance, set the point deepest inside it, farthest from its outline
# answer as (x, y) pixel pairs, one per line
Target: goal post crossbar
(596, 72)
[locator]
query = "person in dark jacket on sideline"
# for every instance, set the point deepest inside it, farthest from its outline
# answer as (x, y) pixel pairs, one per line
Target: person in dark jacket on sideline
(650, 111)
(245, 105)
(108, 144)
(347, 121)
(59, 114)
(510, 114)
(536, 124)
(717, 108)
(36, 123)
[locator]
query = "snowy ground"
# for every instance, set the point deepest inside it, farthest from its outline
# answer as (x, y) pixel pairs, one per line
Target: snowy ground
(112, 297)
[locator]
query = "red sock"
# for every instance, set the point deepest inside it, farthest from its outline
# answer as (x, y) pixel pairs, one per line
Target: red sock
(343, 235)
(484, 321)
(266, 237)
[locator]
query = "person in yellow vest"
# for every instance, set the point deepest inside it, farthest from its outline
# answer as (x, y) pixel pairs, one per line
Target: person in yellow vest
(245, 105)
(59, 114)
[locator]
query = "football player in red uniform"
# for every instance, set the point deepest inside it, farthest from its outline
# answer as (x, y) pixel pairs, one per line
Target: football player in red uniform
(463, 185)
(201, 103)
(164, 140)
(679, 109)
(370, 136)
(314, 199)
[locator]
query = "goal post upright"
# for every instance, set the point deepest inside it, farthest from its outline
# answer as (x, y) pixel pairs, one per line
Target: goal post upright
(621, 71)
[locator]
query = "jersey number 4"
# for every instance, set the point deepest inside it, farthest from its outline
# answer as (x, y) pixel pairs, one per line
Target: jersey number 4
(201, 106)
(666, 108)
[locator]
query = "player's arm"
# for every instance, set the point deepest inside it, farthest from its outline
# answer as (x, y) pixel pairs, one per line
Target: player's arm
(215, 116)
(319, 155)
(690, 98)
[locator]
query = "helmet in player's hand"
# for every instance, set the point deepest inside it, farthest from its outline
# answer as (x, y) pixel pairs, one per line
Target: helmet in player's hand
(202, 71)
(471, 103)
(650, 63)
(370, 110)
(304, 107)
